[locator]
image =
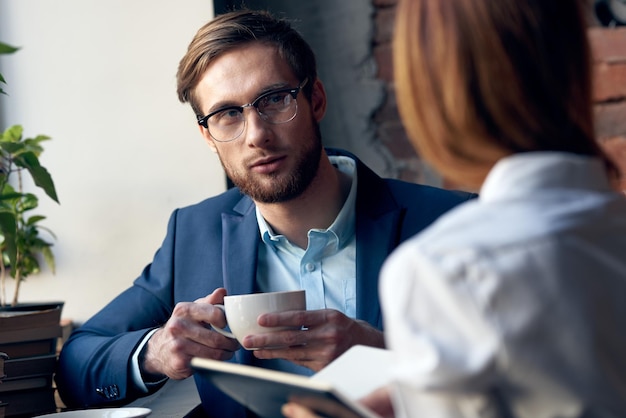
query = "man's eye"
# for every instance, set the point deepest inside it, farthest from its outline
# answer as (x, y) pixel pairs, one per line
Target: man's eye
(226, 116)
(274, 99)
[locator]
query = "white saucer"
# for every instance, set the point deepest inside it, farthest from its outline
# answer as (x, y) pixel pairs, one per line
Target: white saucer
(103, 413)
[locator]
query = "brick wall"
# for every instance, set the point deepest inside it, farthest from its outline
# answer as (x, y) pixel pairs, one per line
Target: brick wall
(387, 121)
(609, 52)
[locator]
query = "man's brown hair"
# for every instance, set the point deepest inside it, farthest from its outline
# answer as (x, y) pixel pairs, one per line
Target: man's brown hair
(232, 30)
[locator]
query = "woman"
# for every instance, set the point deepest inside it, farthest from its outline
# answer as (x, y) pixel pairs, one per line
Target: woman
(511, 305)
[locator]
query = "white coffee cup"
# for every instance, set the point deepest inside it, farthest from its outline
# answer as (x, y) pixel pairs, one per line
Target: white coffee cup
(242, 311)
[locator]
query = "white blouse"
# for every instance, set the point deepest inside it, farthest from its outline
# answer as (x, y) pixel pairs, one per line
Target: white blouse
(514, 304)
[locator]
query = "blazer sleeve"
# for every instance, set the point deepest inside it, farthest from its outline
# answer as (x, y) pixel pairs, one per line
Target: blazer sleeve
(93, 367)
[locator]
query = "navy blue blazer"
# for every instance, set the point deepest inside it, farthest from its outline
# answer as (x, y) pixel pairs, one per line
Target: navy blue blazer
(214, 244)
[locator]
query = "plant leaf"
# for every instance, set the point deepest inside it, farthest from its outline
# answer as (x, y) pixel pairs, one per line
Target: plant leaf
(7, 49)
(48, 256)
(8, 227)
(13, 134)
(2, 81)
(33, 144)
(10, 196)
(34, 219)
(40, 175)
(29, 201)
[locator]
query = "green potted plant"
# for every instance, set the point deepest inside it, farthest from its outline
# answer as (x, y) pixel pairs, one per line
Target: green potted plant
(21, 244)
(28, 331)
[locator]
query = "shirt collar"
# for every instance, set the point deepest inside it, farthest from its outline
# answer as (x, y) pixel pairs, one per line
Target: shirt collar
(344, 224)
(531, 172)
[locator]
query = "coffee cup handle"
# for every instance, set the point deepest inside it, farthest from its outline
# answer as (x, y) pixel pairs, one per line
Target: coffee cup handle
(221, 330)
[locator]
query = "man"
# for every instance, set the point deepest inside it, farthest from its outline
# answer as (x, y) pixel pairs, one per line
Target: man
(300, 217)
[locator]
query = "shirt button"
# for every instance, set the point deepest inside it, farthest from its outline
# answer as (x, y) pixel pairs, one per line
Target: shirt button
(310, 267)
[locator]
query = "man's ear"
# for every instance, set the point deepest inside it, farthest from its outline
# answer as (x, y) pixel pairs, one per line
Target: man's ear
(207, 137)
(318, 100)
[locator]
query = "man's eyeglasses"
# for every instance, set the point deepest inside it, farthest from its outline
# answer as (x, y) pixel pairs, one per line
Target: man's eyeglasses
(275, 107)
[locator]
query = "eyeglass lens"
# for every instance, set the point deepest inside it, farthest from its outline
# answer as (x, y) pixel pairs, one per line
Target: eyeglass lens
(274, 107)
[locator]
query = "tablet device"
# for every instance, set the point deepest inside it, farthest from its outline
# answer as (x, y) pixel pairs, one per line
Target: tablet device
(264, 391)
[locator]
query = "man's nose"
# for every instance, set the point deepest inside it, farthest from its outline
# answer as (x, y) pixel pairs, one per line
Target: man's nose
(257, 129)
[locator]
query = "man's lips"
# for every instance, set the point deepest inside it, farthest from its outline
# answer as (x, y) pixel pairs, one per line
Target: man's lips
(267, 165)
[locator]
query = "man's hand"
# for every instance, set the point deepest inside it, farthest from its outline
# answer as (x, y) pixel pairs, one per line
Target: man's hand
(187, 334)
(326, 335)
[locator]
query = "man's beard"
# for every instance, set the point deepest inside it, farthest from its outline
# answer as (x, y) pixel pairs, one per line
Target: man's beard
(283, 187)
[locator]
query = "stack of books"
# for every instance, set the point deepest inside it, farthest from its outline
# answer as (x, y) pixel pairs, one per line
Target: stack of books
(28, 342)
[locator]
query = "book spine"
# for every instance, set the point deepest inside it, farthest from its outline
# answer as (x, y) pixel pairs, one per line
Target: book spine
(28, 402)
(29, 348)
(29, 366)
(30, 334)
(3, 357)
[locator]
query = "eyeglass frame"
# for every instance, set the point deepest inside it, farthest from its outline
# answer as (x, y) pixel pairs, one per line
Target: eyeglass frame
(204, 120)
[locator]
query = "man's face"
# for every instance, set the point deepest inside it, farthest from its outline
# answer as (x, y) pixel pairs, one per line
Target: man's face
(270, 163)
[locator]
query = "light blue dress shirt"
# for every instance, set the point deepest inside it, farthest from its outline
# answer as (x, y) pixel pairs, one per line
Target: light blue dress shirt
(326, 269)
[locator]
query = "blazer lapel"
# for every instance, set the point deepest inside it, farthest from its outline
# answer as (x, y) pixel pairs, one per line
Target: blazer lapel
(240, 240)
(377, 232)
(374, 243)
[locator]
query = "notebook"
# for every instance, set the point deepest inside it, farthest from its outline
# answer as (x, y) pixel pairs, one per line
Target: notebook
(338, 386)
